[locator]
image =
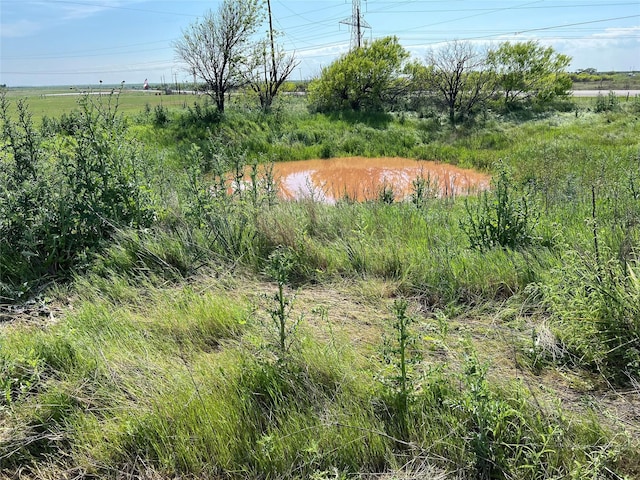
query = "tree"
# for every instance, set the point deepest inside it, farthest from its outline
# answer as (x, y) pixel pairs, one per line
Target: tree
(528, 70)
(458, 72)
(268, 67)
(364, 79)
(215, 47)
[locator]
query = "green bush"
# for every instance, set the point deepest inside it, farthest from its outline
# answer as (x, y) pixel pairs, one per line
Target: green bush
(61, 197)
(609, 103)
(500, 217)
(160, 116)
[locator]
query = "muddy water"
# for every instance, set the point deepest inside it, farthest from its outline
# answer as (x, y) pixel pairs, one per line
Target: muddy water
(361, 179)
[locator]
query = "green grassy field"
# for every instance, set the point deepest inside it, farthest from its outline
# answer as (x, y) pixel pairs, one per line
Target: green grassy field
(53, 102)
(218, 334)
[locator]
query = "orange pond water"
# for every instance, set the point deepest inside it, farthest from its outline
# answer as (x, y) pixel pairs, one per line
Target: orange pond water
(361, 179)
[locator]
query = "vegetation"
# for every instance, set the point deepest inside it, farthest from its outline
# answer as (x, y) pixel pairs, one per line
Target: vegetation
(221, 50)
(212, 48)
(527, 69)
(269, 67)
(61, 197)
(590, 78)
(160, 323)
(458, 73)
(365, 79)
(456, 76)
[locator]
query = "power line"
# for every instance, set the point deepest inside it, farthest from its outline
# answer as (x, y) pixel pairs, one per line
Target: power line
(357, 23)
(307, 29)
(539, 7)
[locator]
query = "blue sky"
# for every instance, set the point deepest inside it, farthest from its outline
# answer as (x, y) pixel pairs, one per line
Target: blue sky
(82, 42)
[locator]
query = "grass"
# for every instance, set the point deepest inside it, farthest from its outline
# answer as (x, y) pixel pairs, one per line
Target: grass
(166, 356)
(52, 102)
(185, 387)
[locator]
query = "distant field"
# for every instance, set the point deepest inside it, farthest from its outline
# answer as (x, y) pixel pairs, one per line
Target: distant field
(54, 101)
(609, 81)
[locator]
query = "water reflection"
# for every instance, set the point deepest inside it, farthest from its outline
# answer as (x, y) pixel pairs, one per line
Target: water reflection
(362, 179)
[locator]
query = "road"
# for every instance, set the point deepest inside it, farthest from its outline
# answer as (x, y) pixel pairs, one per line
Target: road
(594, 93)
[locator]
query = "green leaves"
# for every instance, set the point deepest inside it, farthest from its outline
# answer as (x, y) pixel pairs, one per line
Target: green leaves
(362, 80)
(527, 70)
(280, 266)
(60, 199)
(501, 217)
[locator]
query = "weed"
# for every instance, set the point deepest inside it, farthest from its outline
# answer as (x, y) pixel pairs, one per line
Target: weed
(386, 194)
(596, 314)
(607, 104)
(401, 356)
(58, 204)
(279, 266)
(499, 219)
(148, 376)
(356, 249)
(160, 116)
(423, 189)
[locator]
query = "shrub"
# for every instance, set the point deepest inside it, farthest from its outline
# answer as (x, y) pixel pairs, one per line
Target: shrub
(160, 116)
(279, 266)
(401, 355)
(59, 200)
(364, 79)
(499, 219)
(607, 104)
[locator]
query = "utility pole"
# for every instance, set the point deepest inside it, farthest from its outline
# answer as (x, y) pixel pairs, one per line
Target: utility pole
(274, 73)
(357, 23)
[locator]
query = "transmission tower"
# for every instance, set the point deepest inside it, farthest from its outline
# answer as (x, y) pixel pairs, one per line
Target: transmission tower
(357, 23)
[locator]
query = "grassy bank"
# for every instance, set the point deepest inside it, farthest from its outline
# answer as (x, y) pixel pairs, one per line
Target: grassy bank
(235, 336)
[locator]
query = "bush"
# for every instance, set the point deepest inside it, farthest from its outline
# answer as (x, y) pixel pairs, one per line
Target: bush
(60, 199)
(160, 116)
(499, 219)
(609, 103)
(364, 79)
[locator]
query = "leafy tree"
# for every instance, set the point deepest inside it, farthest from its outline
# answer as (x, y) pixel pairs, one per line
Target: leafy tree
(214, 48)
(367, 78)
(458, 73)
(527, 70)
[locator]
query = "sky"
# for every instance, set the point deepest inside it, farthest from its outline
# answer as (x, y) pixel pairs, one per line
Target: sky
(83, 42)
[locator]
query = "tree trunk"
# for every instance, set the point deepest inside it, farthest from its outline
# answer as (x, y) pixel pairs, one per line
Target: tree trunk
(219, 97)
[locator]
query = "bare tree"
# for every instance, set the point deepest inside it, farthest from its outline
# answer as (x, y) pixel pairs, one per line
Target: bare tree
(215, 47)
(268, 67)
(265, 72)
(459, 73)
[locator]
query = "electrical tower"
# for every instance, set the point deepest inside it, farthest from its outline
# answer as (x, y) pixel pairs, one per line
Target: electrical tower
(357, 23)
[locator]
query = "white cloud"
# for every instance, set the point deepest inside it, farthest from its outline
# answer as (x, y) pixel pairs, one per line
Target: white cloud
(21, 28)
(609, 38)
(607, 49)
(619, 33)
(334, 49)
(78, 11)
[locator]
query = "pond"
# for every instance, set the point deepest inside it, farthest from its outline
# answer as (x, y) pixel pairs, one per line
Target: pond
(361, 179)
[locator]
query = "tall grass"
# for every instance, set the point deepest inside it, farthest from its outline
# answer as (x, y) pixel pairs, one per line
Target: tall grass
(161, 368)
(179, 387)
